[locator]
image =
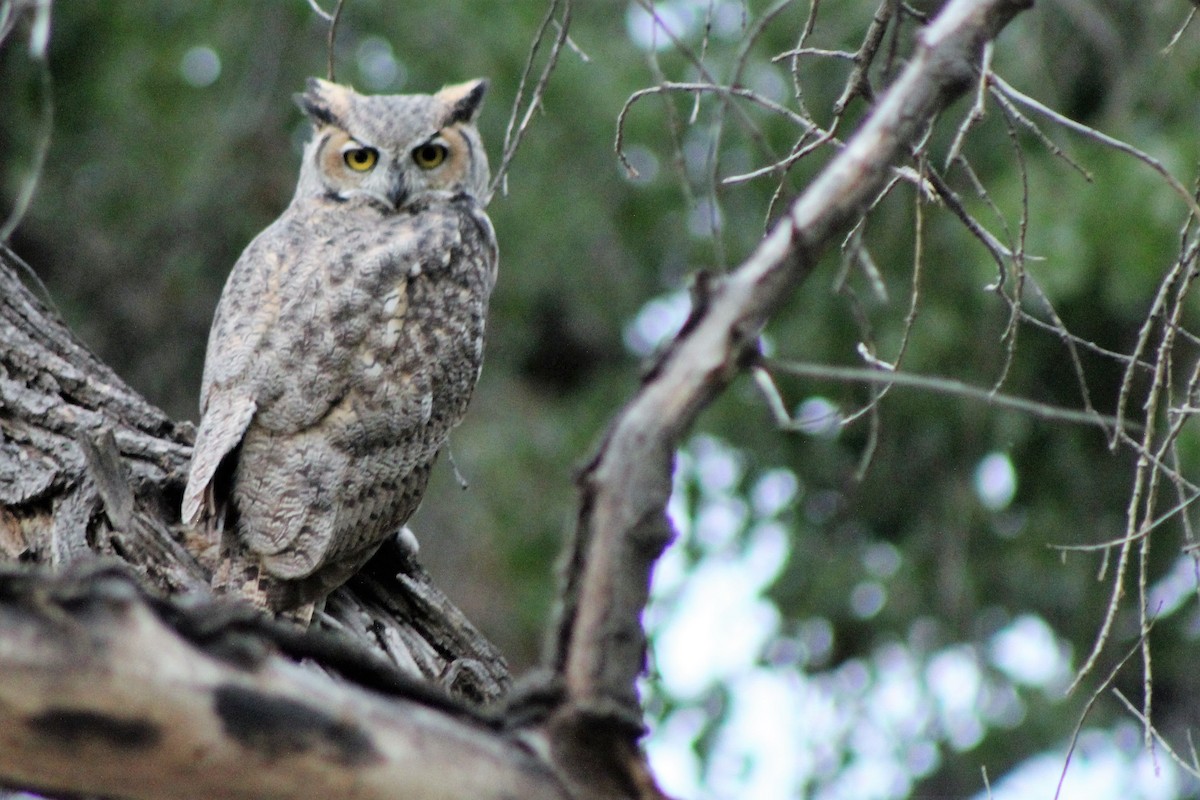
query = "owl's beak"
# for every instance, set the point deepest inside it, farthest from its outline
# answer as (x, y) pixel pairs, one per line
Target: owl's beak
(397, 191)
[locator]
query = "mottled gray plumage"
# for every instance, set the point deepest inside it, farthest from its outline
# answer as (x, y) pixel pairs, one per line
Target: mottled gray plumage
(346, 344)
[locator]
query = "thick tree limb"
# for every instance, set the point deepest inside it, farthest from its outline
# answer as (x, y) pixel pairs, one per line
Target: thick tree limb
(622, 525)
(100, 696)
(55, 396)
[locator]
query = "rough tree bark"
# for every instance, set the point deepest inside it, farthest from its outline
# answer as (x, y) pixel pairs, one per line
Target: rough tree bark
(123, 677)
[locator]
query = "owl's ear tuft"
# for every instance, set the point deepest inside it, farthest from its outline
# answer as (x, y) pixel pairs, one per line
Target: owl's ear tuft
(463, 100)
(325, 103)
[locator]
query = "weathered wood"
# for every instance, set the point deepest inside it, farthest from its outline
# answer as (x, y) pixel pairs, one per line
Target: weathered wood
(102, 695)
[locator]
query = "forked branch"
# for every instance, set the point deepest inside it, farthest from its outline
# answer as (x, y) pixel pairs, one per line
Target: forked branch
(598, 648)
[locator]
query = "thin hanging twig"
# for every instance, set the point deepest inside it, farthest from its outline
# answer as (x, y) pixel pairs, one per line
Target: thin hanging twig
(515, 131)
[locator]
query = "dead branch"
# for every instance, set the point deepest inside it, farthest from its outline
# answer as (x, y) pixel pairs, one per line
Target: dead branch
(599, 646)
(101, 696)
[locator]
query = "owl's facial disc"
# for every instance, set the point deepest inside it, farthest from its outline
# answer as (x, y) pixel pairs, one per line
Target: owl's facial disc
(394, 151)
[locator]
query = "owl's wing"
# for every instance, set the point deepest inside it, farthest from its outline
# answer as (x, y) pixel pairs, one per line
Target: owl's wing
(250, 307)
(221, 430)
(229, 399)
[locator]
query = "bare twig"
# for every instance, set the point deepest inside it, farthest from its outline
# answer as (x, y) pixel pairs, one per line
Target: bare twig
(1012, 330)
(1166, 51)
(39, 33)
(1191, 767)
(514, 133)
(1087, 707)
(999, 252)
(598, 645)
(940, 385)
(858, 84)
(332, 41)
(713, 88)
(320, 12)
(977, 108)
(1105, 139)
(1161, 519)
(706, 77)
(1143, 496)
(1033, 128)
(1069, 341)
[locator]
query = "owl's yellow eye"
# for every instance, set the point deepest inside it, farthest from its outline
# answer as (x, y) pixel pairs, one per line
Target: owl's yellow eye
(361, 159)
(430, 155)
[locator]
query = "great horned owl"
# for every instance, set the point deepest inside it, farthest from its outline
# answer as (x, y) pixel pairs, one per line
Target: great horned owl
(346, 344)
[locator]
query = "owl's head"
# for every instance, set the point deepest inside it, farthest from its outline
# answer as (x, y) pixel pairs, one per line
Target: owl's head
(393, 150)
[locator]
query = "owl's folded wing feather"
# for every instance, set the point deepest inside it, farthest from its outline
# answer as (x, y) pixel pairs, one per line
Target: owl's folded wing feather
(221, 430)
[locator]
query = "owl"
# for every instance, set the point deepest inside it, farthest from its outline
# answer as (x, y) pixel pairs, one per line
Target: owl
(346, 344)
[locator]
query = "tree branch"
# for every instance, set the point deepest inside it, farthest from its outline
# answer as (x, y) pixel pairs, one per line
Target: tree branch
(101, 696)
(598, 650)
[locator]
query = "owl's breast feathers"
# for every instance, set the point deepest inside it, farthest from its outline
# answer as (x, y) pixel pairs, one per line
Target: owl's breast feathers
(345, 347)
